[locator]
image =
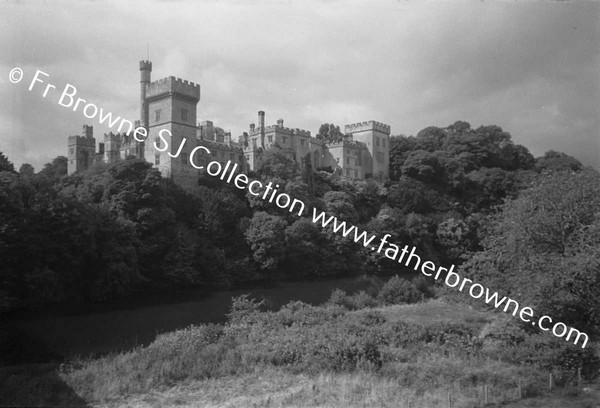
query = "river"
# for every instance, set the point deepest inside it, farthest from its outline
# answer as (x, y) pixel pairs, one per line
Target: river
(76, 333)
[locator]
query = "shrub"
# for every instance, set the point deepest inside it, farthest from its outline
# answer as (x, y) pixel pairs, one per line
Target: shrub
(398, 290)
(243, 310)
(360, 300)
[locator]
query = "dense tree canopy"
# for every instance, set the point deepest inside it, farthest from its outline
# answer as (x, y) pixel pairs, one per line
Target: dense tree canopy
(119, 228)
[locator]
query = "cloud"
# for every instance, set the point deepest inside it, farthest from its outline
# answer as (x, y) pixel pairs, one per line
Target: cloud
(528, 67)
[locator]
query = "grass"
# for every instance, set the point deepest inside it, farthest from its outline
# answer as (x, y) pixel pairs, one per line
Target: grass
(328, 356)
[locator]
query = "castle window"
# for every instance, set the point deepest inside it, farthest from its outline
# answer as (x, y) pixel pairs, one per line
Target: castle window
(383, 142)
(284, 140)
(157, 142)
(270, 138)
(302, 142)
(72, 151)
(377, 141)
(157, 112)
(184, 115)
(347, 160)
(157, 159)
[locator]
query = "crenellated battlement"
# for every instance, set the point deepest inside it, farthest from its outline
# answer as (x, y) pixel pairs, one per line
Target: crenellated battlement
(145, 65)
(88, 141)
(368, 125)
(232, 147)
(279, 129)
(301, 132)
(352, 144)
(172, 85)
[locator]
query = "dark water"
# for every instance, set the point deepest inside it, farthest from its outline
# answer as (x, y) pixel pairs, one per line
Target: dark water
(67, 335)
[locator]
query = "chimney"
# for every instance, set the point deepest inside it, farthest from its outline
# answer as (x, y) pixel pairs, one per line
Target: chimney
(261, 126)
(261, 119)
(280, 122)
(252, 127)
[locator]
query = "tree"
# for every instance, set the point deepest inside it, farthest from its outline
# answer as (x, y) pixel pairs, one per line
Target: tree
(278, 163)
(557, 161)
(55, 169)
(5, 164)
(330, 133)
(26, 170)
(303, 249)
(543, 249)
(422, 165)
(340, 204)
(266, 238)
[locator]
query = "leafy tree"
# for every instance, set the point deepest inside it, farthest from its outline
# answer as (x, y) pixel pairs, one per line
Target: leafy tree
(557, 161)
(278, 163)
(26, 170)
(5, 164)
(400, 148)
(422, 165)
(330, 133)
(303, 249)
(266, 237)
(54, 170)
(340, 204)
(543, 248)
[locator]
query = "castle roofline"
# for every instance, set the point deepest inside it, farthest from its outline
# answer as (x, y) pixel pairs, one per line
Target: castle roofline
(82, 139)
(368, 125)
(354, 144)
(171, 85)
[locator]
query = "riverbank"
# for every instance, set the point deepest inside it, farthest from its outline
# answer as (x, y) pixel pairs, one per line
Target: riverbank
(306, 356)
(66, 332)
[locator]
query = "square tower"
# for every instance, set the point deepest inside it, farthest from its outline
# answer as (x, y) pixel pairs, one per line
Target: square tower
(376, 136)
(171, 104)
(81, 150)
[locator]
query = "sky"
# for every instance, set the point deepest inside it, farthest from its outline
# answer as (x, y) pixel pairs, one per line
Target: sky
(532, 68)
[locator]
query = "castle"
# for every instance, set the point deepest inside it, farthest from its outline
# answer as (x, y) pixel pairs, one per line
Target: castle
(170, 104)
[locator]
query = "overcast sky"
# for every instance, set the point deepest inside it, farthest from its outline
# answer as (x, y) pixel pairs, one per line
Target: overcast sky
(532, 68)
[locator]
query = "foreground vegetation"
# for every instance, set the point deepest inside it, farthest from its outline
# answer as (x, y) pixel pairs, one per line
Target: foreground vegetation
(352, 351)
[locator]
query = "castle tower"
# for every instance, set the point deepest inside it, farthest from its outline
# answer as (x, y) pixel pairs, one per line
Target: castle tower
(145, 78)
(171, 104)
(112, 145)
(81, 150)
(376, 136)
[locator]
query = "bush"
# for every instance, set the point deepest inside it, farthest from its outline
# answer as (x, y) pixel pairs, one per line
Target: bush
(398, 290)
(243, 310)
(360, 300)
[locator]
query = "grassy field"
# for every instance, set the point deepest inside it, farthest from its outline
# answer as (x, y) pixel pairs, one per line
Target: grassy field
(306, 356)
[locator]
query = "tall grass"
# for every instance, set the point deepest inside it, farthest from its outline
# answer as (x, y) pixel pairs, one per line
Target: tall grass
(373, 356)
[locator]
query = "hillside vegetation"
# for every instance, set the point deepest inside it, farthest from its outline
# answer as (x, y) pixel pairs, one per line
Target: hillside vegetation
(527, 228)
(330, 355)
